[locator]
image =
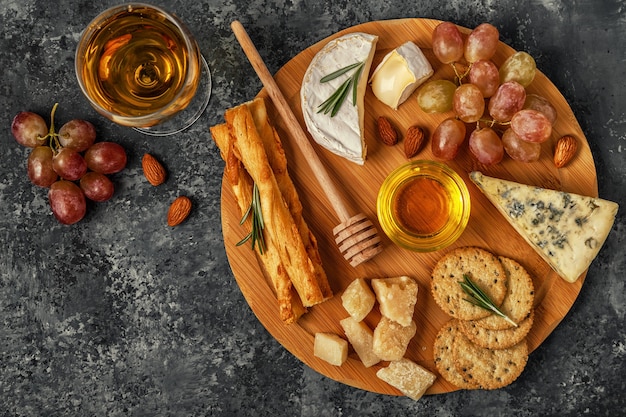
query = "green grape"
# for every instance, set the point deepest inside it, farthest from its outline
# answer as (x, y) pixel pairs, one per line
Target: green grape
(436, 96)
(518, 67)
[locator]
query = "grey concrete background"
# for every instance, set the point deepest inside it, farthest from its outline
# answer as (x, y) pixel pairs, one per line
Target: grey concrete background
(122, 316)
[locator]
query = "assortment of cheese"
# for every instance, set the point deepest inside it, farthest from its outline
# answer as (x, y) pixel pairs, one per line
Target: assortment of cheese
(566, 230)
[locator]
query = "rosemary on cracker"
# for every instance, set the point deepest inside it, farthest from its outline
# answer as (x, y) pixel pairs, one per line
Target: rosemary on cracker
(256, 232)
(333, 103)
(480, 299)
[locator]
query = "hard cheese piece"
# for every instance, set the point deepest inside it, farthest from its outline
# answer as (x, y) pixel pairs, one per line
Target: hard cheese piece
(361, 338)
(342, 133)
(407, 376)
(397, 297)
(331, 348)
(358, 299)
(391, 340)
(398, 75)
(566, 229)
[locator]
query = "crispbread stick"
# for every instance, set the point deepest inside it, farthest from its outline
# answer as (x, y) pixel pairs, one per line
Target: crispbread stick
(280, 225)
(289, 304)
(278, 161)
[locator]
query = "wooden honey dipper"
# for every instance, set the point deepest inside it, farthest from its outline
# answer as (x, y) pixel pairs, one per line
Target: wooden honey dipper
(356, 236)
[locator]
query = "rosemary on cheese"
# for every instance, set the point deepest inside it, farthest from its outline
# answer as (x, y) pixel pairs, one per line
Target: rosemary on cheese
(333, 103)
(480, 299)
(256, 232)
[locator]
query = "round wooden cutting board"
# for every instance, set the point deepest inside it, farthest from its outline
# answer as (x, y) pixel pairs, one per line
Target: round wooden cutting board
(486, 228)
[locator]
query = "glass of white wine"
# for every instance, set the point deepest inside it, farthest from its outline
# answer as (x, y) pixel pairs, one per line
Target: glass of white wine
(140, 66)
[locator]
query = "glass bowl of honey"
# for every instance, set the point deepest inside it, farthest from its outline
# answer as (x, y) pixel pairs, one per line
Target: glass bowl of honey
(423, 206)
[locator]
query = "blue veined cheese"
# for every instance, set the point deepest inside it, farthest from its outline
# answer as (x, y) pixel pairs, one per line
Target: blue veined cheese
(341, 134)
(566, 229)
(399, 74)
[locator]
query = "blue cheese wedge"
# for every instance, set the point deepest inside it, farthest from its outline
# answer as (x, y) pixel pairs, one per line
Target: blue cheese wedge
(566, 229)
(399, 74)
(342, 133)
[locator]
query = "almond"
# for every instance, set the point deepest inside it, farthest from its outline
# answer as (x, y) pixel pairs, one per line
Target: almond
(413, 141)
(179, 210)
(153, 170)
(564, 150)
(386, 132)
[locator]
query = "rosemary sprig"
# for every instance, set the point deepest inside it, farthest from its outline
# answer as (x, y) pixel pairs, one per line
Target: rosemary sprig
(333, 103)
(480, 299)
(256, 232)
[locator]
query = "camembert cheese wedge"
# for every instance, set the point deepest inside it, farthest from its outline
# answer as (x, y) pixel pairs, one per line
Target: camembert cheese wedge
(566, 229)
(399, 73)
(342, 133)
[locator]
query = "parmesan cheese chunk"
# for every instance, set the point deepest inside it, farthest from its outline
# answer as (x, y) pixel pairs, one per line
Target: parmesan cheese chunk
(361, 338)
(567, 230)
(331, 348)
(392, 339)
(408, 377)
(358, 299)
(397, 297)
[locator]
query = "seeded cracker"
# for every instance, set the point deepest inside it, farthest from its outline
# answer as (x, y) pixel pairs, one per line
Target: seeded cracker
(497, 339)
(483, 268)
(489, 368)
(518, 301)
(444, 358)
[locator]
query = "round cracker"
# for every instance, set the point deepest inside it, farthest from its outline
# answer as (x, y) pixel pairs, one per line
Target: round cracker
(496, 339)
(483, 268)
(444, 357)
(519, 298)
(489, 368)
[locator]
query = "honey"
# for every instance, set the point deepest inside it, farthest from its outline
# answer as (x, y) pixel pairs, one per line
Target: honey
(422, 206)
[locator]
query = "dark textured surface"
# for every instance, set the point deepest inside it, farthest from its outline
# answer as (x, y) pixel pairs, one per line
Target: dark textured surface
(120, 315)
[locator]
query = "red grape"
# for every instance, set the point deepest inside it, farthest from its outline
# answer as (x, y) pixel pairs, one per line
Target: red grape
(69, 164)
(67, 202)
(508, 100)
(106, 157)
(448, 138)
(97, 187)
(447, 43)
(77, 134)
(486, 146)
(520, 150)
(27, 129)
(468, 103)
(542, 105)
(484, 75)
(39, 166)
(531, 126)
(482, 42)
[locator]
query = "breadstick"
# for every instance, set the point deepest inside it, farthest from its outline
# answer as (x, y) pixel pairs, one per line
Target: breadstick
(280, 225)
(290, 307)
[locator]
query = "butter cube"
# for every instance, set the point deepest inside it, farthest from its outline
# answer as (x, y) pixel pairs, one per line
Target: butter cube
(358, 299)
(397, 297)
(331, 348)
(361, 338)
(392, 339)
(408, 377)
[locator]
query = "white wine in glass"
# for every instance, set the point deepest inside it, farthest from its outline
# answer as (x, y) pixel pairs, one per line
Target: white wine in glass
(139, 66)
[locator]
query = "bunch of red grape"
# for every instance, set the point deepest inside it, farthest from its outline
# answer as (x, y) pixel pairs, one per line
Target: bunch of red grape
(70, 163)
(506, 118)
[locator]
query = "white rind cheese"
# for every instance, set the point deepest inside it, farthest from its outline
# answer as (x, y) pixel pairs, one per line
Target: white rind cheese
(398, 75)
(566, 229)
(341, 134)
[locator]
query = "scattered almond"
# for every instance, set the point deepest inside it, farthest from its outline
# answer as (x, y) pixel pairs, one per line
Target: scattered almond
(564, 150)
(386, 132)
(179, 210)
(153, 170)
(413, 141)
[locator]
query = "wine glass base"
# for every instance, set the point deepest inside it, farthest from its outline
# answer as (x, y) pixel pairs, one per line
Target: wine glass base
(190, 114)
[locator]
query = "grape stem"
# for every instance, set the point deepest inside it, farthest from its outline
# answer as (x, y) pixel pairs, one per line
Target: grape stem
(52, 135)
(460, 77)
